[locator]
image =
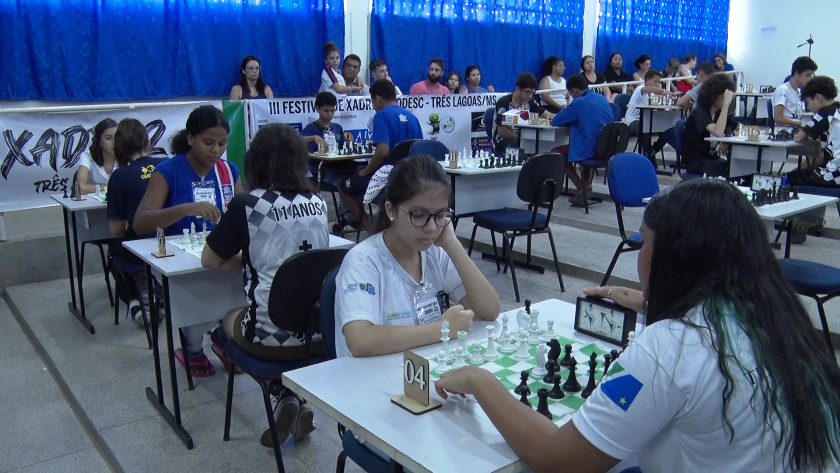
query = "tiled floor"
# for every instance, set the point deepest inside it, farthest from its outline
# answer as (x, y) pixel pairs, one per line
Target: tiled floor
(90, 412)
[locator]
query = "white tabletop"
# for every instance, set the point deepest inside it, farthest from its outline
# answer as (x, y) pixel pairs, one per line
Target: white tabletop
(754, 94)
(542, 126)
(183, 262)
(357, 392)
(782, 210)
(737, 140)
(664, 108)
(465, 171)
(87, 203)
(338, 157)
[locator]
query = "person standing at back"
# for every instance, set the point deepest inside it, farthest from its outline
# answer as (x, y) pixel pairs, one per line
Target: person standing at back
(391, 124)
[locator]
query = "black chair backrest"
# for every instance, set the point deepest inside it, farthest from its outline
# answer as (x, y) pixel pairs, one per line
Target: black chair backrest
(489, 116)
(771, 122)
(400, 151)
(537, 170)
(294, 300)
(328, 313)
(612, 140)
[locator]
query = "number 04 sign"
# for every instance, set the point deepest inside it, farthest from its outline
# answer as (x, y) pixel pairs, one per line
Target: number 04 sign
(415, 374)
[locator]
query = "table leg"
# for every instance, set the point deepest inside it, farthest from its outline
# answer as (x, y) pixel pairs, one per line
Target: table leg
(758, 164)
(174, 421)
(72, 304)
(789, 230)
(79, 312)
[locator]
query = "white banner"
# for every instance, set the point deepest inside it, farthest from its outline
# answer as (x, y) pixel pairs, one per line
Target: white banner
(40, 152)
(455, 120)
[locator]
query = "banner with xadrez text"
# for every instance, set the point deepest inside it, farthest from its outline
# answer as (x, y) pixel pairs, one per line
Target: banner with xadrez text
(40, 151)
(455, 120)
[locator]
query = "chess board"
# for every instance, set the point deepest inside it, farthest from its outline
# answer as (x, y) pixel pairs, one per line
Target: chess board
(508, 370)
(101, 197)
(194, 250)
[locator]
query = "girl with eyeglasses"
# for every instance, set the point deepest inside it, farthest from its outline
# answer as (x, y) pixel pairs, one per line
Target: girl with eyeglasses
(395, 289)
(251, 85)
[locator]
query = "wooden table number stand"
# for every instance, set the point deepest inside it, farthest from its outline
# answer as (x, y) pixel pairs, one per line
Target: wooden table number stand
(415, 398)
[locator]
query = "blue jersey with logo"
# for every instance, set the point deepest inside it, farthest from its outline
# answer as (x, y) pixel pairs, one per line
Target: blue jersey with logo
(393, 124)
(180, 176)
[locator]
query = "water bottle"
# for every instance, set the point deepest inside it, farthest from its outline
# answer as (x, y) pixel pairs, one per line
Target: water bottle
(332, 145)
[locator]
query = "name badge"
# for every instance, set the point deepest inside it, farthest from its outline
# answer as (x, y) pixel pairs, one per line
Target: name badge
(428, 311)
(204, 191)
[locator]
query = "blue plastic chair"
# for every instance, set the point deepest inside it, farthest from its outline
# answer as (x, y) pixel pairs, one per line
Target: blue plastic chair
(616, 112)
(622, 100)
(539, 185)
(433, 148)
(294, 304)
(352, 448)
(632, 179)
(489, 116)
(674, 137)
(817, 281)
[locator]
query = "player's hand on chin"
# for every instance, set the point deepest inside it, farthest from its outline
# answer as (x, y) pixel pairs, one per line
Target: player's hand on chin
(458, 381)
(446, 237)
(459, 318)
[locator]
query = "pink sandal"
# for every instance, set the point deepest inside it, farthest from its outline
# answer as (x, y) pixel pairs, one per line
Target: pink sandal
(199, 367)
(222, 354)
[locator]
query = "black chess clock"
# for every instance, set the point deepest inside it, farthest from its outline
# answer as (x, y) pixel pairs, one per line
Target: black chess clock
(604, 320)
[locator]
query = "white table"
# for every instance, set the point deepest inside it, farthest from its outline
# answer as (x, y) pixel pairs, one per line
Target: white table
(86, 219)
(9, 207)
(750, 157)
(744, 97)
(356, 392)
(475, 189)
(541, 138)
(187, 287)
(782, 210)
(666, 117)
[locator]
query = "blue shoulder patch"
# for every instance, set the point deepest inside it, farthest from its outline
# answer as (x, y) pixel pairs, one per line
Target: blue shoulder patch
(622, 390)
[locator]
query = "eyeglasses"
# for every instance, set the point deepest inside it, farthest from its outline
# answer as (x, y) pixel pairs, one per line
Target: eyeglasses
(420, 218)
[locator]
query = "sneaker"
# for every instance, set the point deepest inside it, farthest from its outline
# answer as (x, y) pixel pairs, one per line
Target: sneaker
(305, 424)
(799, 232)
(577, 200)
(285, 415)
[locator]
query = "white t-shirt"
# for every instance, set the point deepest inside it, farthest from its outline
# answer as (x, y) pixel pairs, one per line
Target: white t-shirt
(636, 99)
(559, 97)
(788, 96)
(371, 285)
(666, 405)
(96, 173)
(329, 77)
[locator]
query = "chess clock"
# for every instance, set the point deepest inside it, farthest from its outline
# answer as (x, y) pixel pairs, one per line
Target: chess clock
(604, 320)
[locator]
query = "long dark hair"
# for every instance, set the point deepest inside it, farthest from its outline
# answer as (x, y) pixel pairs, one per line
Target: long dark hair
(95, 145)
(277, 160)
(460, 82)
(719, 259)
(131, 137)
(200, 119)
(712, 88)
(411, 176)
(548, 65)
(243, 78)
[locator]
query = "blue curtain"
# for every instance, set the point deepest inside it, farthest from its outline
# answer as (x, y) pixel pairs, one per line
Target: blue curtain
(126, 49)
(661, 29)
(503, 37)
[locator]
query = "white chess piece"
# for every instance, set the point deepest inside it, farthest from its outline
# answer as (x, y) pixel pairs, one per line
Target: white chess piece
(534, 335)
(477, 358)
(549, 334)
(507, 348)
(535, 316)
(523, 320)
(539, 370)
(505, 321)
(462, 340)
(186, 240)
(630, 337)
(441, 366)
(522, 352)
(459, 358)
(490, 353)
(444, 338)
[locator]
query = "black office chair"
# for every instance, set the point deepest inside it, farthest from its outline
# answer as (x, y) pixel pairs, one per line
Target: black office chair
(101, 244)
(294, 304)
(539, 185)
(401, 150)
(612, 140)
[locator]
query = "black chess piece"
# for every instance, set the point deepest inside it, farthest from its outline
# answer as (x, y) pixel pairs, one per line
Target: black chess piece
(556, 392)
(567, 360)
(524, 397)
(795, 192)
(551, 366)
(65, 192)
(590, 385)
(614, 354)
(754, 199)
(542, 405)
(553, 352)
(572, 384)
(523, 384)
(607, 360)
(528, 306)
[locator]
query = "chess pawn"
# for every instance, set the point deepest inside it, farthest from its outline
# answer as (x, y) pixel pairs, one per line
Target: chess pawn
(549, 334)
(572, 384)
(522, 353)
(186, 240)
(507, 347)
(534, 335)
(459, 358)
(477, 358)
(490, 353)
(441, 366)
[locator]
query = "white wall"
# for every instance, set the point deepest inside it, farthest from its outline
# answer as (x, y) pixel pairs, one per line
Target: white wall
(764, 35)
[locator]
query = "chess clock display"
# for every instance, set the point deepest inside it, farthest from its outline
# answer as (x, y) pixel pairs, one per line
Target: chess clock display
(604, 320)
